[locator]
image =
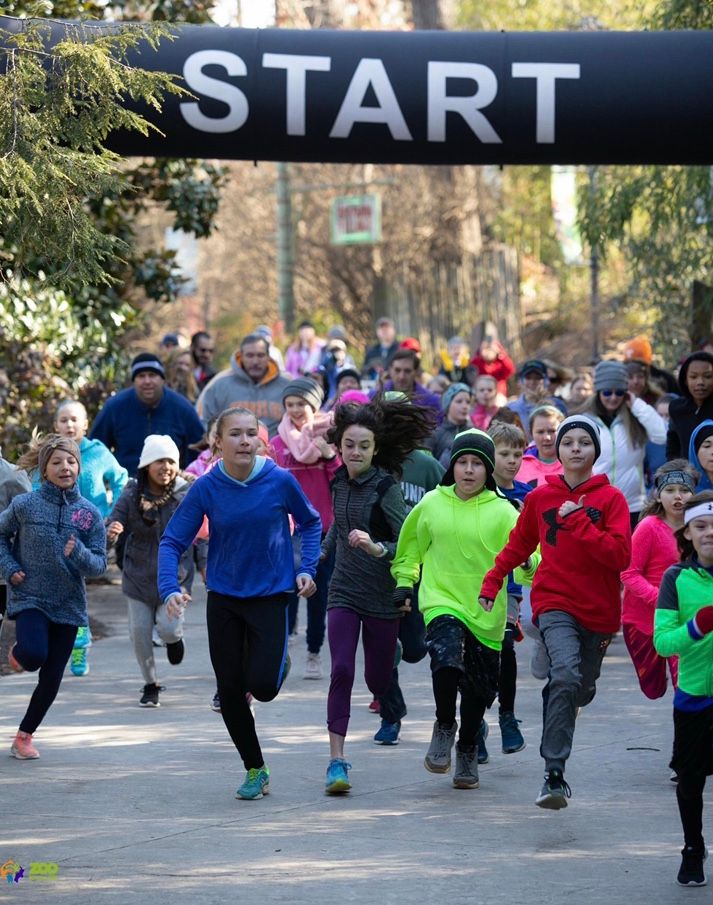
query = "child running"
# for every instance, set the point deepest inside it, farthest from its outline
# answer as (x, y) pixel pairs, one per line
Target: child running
(250, 574)
(142, 513)
(684, 627)
(369, 509)
(581, 523)
(653, 550)
(50, 540)
(101, 481)
(454, 534)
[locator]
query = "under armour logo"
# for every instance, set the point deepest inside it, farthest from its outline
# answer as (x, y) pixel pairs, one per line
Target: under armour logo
(550, 519)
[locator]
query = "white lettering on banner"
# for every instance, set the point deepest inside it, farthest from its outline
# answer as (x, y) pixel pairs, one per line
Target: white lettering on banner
(469, 107)
(546, 75)
(297, 68)
(203, 84)
(370, 74)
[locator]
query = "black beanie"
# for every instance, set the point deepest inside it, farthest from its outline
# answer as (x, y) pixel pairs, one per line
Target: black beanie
(702, 433)
(348, 372)
(146, 361)
(477, 443)
(583, 423)
(307, 389)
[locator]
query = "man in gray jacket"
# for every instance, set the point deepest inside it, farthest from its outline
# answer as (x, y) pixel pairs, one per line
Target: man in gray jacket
(253, 381)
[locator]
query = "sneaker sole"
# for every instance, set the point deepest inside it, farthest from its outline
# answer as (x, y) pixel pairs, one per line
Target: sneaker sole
(338, 788)
(551, 803)
(436, 768)
(692, 882)
(313, 678)
(16, 754)
(148, 704)
(514, 750)
(386, 744)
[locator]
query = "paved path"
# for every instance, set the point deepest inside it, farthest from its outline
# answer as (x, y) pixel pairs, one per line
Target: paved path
(138, 802)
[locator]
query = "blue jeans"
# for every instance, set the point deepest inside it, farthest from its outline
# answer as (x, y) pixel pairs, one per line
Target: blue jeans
(412, 634)
(47, 646)
(316, 606)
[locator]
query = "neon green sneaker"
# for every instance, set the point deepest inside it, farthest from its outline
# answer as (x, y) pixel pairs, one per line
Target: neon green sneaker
(78, 662)
(256, 783)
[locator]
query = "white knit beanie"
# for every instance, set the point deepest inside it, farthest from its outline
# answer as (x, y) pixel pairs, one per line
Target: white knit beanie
(158, 446)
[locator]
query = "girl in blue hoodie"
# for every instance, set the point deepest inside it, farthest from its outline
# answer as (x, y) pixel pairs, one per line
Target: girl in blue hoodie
(248, 500)
(50, 540)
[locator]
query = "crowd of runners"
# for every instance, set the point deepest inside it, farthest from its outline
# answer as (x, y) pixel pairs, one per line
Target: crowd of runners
(412, 510)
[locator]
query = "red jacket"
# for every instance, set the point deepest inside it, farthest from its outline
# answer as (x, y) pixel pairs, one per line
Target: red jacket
(583, 553)
(501, 369)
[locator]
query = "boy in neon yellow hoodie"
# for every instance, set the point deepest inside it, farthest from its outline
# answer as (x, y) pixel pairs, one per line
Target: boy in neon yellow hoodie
(455, 533)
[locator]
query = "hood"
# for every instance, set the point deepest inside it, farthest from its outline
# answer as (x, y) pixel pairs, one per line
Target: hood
(557, 481)
(482, 499)
(268, 467)
(704, 481)
(682, 382)
(236, 367)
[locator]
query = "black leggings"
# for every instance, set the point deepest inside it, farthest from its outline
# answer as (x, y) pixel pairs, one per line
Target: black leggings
(47, 646)
(508, 672)
(689, 793)
(247, 638)
(446, 683)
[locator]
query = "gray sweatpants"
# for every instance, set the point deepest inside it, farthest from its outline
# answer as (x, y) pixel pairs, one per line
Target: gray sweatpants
(576, 656)
(141, 622)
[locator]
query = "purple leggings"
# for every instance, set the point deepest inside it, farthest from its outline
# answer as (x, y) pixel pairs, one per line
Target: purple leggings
(379, 640)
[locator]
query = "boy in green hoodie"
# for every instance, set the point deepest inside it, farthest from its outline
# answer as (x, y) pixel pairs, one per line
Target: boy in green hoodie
(452, 538)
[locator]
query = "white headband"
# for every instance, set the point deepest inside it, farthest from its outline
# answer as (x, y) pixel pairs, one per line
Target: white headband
(702, 510)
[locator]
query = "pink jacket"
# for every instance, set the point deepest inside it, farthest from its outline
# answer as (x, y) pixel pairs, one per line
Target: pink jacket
(313, 478)
(534, 471)
(653, 550)
(481, 417)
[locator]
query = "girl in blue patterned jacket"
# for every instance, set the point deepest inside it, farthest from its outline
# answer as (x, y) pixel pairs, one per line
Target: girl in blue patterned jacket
(50, 540)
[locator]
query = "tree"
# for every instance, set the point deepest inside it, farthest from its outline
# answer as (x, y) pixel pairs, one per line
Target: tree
(71, 253)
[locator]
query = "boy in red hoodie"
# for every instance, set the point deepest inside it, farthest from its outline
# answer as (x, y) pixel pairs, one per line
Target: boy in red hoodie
(581, 523)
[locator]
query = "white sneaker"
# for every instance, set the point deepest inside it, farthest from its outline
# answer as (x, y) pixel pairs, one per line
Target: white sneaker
(313, 667)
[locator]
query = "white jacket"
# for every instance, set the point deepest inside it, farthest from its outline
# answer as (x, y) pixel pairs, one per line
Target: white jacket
(622, 462)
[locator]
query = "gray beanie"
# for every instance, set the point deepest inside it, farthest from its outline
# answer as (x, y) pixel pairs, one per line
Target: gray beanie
(307, 389)
(450, 393)
(611, 375)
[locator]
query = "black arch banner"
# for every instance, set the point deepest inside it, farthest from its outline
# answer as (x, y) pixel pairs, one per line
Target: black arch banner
(435, 97)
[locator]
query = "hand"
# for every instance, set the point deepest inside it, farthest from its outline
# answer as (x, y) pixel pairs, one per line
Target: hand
(325, 448)
(704, 620)
(17, 578)
(70, 545)
(487, 603)
(362, 541)
(176, 604)
(113, 531)
(401, 598)
(570, 506)
(527, 565)
(305, 586)
(630, 399)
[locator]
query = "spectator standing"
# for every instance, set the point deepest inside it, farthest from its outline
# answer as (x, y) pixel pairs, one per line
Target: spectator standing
(305, 353)
(203, 350)
(533, 380)
(492, 359)
(146, 407)
(694, 405)
(377, 357)
(252, 381)
(274, 352)
(453, 361)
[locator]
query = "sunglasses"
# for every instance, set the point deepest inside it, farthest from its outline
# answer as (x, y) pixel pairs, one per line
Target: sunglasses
(609, 393)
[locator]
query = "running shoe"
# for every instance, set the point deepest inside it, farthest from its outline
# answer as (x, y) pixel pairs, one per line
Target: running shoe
(313, 667)
(78, 662)
(256, 784)
(375, 706)
(438, 756)
(215, 703)
(510, 732)
(691, 870)
(466, 773)
(84, 637)
(554, 792)
(175, 651)
(483, 756)
(22, 747)
(388, 733)
(149, 698)
(338, 777)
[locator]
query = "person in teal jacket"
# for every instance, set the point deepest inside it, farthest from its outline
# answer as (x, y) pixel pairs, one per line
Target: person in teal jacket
(452, 538)
(100, 481)
(683, 626)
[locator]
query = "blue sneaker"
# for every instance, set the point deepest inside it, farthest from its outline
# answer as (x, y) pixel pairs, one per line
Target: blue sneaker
(84, 637)
(510, 731)
(483, 756)
(256, 784)
(78, 662)
(338, 777)
(388, 734)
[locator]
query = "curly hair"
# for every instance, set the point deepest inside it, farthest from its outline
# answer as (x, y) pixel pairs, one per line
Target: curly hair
(399, 427)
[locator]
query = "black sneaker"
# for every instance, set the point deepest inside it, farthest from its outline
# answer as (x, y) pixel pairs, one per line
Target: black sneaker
(150, 696)
(555, 792)
(215, 703)
(691, 871)
(175, 651)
